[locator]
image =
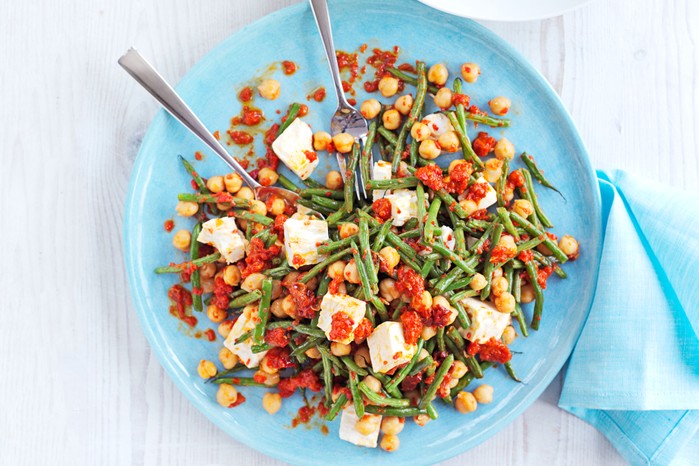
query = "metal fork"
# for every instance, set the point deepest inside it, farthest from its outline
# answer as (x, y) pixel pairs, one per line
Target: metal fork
(346, 119)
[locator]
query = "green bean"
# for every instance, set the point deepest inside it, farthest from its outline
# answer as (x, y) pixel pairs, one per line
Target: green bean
(313, 206)
(256, 218)
(366, 159)
(534, 231)
(388, 135)
(332, 358)
(327, 203)
(279, 272)
(460, 112)
(288, 184)
(451, 204)
(548, 262)
(213, 199)
(197, 262)
(195, 176)
(414, 152)
(350, 174)
(336, 407)
(519, 316)
(353, 366)
(447, 254)
(371, 271)
(511, 371)
(454, 349)
(356, 394)
(427, 268)
(309, 330)
(488, 120)
(322, 192)
(415, 111)
(381, 235)
(415, 233)
(440, 339)
(327, 378)
(241, 381)
(399, 412)
(534, 199)
(244, 300)
(260, 348)
(194, 278)
(305, 346)
(290, 117)
(395, 183)
(466, 147)
(381, 399)
(420, 365)
(488, 268)
(383, 378)
(438, 378)
(460, 239)
(444, 282)
(405, 370)
(474, 367)
(502, 182)
(538, 174)
(431, 222)
(312, 184)
(263, 311)
(538, 293)
(410, 79)
(318, 268)
(323, 285)
(506, 221)
(226, 373)
(468, 378)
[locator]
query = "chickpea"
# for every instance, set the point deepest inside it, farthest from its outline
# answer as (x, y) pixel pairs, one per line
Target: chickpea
(391, 119)
(442, 98)
(265, 367)
(509, 335)
(388, 86)
(207, 270)
(404, 103)
(231, 275)
(509, 192)
(428, 332)
(277, 207)
(336, 270)
(420, 131)
(266, 378)
(258, 207)
(493, 170)
(526, 294)
(505, 303)
(276, 289)
(226, 395)
(313, 353)
(340, 349)
(321, 139)
(233, 182)
(289, 306)
(333, 180)
(348, 229)
(438, 74)
(454, 164)
(500, 105)
(224, 328)
(182, 239)
(504, 149)
(276, 309)
(429, 149)
(253, 282)
(444, 302)
(206, 369)
(269, 89)
(507, 242)
(469, 206)
(392, 425)
(373, 383)
(387, 289)
(245, 193)
(458, 369)
(496, 273)
(470, 72)
(389, 442)
(421, 419)
(361, 356)
(543, 249)
(569, 246)
(423, 301)
(391, 257)
(207, 285)
(351, 273)
(216, 314)
(499, 286)
(227, 358)
(343, 142)
(272, 402)
(365, 425)
(483, 394)
(370, 108)
(215, 184)
(523, 208)
(223, 206)
(449, 141)
(465, 402)
(478, 282)
(291, 277)
(186, 209)
(267, 176)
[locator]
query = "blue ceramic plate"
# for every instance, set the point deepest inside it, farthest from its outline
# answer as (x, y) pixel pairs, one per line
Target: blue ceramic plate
(540, 125)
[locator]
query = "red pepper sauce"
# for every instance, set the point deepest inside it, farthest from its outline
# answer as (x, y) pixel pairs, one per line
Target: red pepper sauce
(289, 67)
(240, 138)
(381, 60)
(169, 225)
(318, 95)
(341, 326)
(249, 117)
(198, 155)
(245, 95)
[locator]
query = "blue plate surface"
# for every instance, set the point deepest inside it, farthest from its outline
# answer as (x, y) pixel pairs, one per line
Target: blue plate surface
(540, 125)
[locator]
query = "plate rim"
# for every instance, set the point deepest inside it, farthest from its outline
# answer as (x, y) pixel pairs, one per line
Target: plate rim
(236, 431)
(506, 19)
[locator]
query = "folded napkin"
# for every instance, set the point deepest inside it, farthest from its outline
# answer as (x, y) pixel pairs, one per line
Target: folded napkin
(634, 372)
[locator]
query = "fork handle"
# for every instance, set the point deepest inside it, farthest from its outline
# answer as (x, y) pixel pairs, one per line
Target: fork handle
(148, 77)
(322, 16)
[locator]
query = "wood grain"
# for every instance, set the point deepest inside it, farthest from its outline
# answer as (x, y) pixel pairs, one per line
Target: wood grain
(79, 383)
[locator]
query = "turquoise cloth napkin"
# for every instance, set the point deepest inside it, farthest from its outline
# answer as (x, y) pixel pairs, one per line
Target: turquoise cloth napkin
(634, 372)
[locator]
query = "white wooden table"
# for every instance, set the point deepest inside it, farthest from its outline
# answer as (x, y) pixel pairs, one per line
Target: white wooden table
(78, 381)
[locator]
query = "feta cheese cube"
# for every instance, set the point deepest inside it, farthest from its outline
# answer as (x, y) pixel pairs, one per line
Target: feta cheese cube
(403, 205)
(302, 236)
(439, 124)
(334, 304)
(387, 347)
(243, 350)
(294, 146)
(448, 237)
(490, 198)
(381, 171)
(349, 432)
(486, 321)
(223, 234)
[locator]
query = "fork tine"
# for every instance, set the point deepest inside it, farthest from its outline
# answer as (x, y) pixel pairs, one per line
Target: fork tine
(359, 181)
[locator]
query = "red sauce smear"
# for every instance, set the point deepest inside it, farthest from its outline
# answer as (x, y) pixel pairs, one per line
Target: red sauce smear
(210, 335)
(362, 331)
(348, 61)
(198, 155)
(289, 67)
(240, 138)
(341, 326)
(182, 298)
(169, 225)
(382, 208)
(492, 350)
(305, 379)
(245, 95)
(431, 176)
(483, 144)
(412, 326)
(477, 191)
(409, 282)
(318, 95)
(249, 117)
(305, 300)
(381, 60)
